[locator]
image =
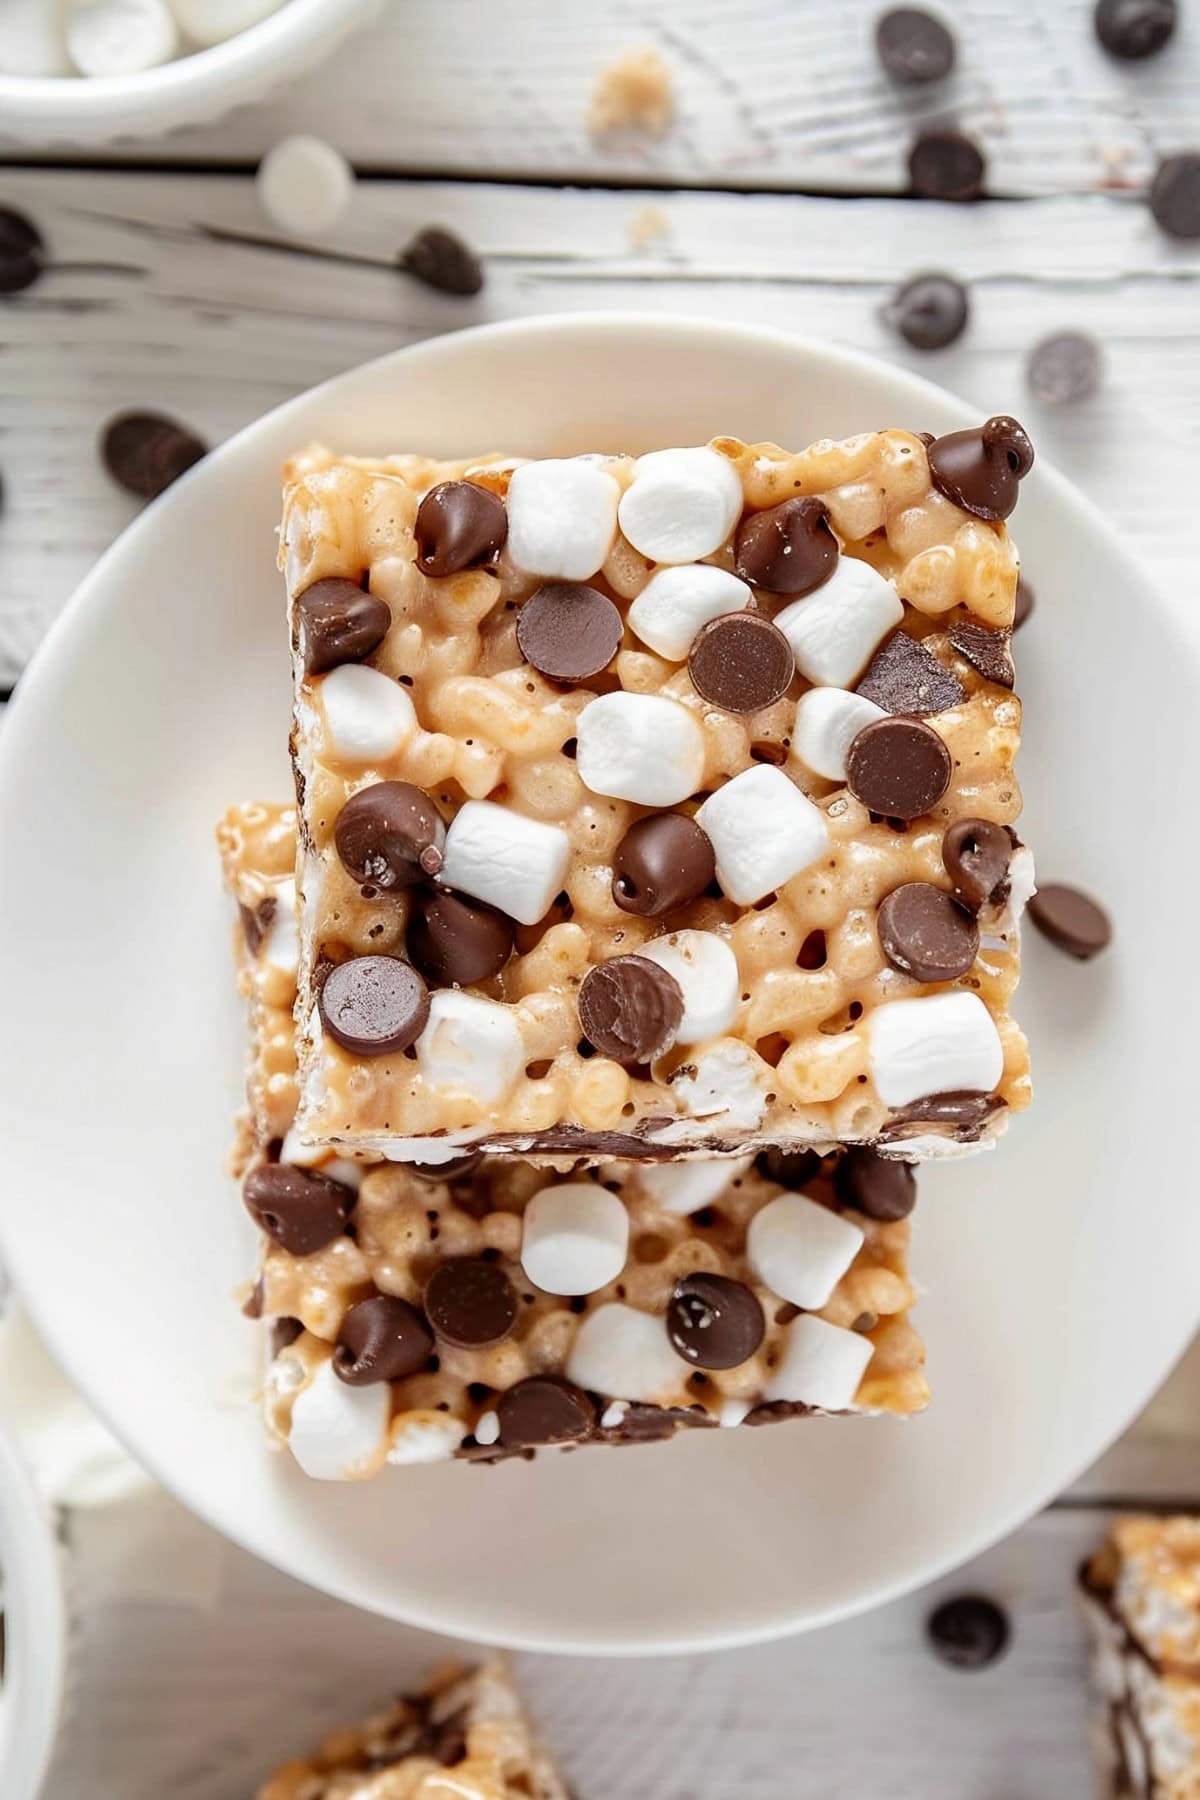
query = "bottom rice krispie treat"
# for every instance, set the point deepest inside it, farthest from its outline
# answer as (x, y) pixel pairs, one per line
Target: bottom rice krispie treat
(1141, 1599)
(462, 1736)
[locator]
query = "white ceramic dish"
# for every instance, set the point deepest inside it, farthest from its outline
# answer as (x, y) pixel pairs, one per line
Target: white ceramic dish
(35, 1631)
(1061, 1268)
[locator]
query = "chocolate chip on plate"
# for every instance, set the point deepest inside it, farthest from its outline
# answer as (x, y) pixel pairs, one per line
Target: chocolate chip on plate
(456, 941)
(390, 835)
(925, 933)
(986, 649)
(459, 525)
(1132, 29)
(544, 1409)
(568, 631)
(714, 1322)
(22, 251)
(789, 549)
(338, 623)
(1064, 367)
(630, 1009)
(663, 861)
(381, 1339)
(913, 45)
(374, 1005)
(1175, 195)
(904, 676)
(899, 767)
(976, 854)
(981, 469)
(145, 452)
(946, 165)
(1071, 920)
(882, 1187)
(968, 1632)
(1024, 603)
(741, 662)
(929, 311)
(302, 1210)
(470, 1303)
(443, 261)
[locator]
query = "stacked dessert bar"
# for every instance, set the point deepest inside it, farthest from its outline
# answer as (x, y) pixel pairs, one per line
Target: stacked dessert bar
(649, 908)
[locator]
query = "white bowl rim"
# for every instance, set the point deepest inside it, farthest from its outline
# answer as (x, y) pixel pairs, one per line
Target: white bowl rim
(35, 1629)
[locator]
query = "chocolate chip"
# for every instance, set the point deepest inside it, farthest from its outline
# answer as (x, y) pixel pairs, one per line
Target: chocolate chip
(381, 1339)
(969, 1632)
(459, 525)
(252, 1306)
(256, 922)
(373, 1005)
(985, 649)
(714, 1322)
(338, 624)
(452, 1170)
(1175, 195)
(965, 1109)
(302, 1210)
(1071, 920)
(569, 631)
(1024, 603)
(882, 1187)
(663, 861)
(913, 45)
(544, 1409)
(981, 469)
(284, 1331)
(630, 1009)
(145, 452)
(946, 165)
(390, 835)
(470, 1303)
(788, 549)
(904, 676)
(1063, 368)
(929, 311)
(792, 1169)
(741, 662)
(443, 261)
(1132, 29)
(22, 251)
(898, 767)
(925, 933)
(975, 854)
(457, 941)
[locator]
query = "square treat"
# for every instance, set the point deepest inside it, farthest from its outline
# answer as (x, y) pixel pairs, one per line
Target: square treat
(464, 1735)
(486, 1307)
(1141, 1600)
(659, 805)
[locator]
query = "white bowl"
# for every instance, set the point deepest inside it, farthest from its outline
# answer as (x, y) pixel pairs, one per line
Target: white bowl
(193, 90)
(1061, 1268)
(35, 1630)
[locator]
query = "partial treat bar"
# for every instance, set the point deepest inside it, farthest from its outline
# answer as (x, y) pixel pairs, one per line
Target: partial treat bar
(1141, 1598)
(487, 1307)
(463, 1736)
(659, 805)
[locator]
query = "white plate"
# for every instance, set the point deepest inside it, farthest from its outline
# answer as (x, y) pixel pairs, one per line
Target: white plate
(1062, 1269)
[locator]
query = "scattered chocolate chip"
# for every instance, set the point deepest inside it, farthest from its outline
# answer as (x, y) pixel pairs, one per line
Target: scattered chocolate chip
(1063, 368)
(470, 1303)
(390, 835)
(302, 1210)
(1175, 195)
(792, 1169)
(969, 1632)
(965, 1109)
(145, 452)
(459, 525)
(1071, 920)
(981, 469)
(373, 1005)
(714, 1322)
(456, 941)
(898, 767)
(987, 650)
(381, 1339)
(789, 549)
(22, 251)
(569, 631)
(929, 311)
(975, 854)
(1024, 603)
(946, 165)
(882, 1187)
(284, 1331)
(913, 45)
(663, 861)
(338, 624)
(453, 1170)
(443, 261)
(925, 933)
(544, 1409)
(904, 676)
(256, 922)
(1132, 29)
(630, 1009)
(741, 662)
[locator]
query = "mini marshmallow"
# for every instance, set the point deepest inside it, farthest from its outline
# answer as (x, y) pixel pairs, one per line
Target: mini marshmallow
(681, 504)
(934, 1044)
(763, 831)
(835, 631)
(317, 1156)
(1022, 883)
(676, 602)
(339, 1432)
(470, 1045)
(724, 1083)
(562, 517)
(498, 855)
(32, 38)
(487, 1429)
(212, 21)
(626, 1355)
(281, 946)
(368, 716)
(639, 747)
(707, 972)
(733, 1411)
(827, 721)
(121, 37)
(801, 1250)
(575, 1237)
(304, 185)
(822, 1365)
(424, 1437)
(684, 1187)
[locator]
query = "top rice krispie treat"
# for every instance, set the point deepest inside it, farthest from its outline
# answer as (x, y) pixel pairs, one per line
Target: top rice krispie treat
(661, 805)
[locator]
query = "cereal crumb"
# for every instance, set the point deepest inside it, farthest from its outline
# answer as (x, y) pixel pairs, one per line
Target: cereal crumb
(649, 225)
(633, 93)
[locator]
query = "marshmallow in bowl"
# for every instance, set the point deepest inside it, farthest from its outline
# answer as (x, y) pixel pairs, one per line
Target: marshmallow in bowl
(470, 1045)
(681, 504)
(639, 747)
(120, 37)
(801, 1250)
(677, 601)
(822, 1365)
(304, 185)
(500, 856)
(934, 1044)
(368, 716)
(685, 1187)
(627, 1355)
(763, 831)
(575, 1236)
(339, 1432)
(834, 631)
(828, 719)
(707, 972)
(562, 517)
(212, 21)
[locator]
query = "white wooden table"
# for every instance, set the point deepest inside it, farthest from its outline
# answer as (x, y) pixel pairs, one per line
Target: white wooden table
(777, 197)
